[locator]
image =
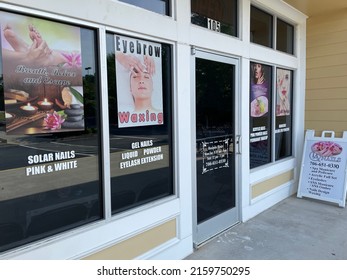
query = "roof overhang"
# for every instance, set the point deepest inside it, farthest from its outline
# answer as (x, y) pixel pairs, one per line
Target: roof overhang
(317, 7)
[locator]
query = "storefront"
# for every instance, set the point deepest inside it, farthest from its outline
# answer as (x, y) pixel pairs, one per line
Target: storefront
(131, 131)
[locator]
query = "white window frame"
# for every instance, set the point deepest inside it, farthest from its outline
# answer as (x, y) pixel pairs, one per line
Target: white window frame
(84, 240)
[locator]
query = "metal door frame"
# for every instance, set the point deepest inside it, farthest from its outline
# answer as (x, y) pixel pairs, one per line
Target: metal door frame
(202, 232)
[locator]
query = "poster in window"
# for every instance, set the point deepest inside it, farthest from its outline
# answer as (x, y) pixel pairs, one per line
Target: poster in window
(42, 75)
(283, 96)
(259, 90)
(139, 82)
(283, 124)
(260, 107)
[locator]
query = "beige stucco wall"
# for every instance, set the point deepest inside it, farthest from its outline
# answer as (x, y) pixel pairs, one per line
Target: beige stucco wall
(262, 187)
(326, 87)
(138, 244)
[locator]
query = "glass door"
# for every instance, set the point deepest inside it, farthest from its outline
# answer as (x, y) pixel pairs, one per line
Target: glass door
(216, 193)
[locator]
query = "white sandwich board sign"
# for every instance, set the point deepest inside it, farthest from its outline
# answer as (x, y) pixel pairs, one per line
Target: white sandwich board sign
(323, 168)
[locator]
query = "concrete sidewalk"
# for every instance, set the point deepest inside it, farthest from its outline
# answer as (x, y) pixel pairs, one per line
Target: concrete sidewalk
(294, 229)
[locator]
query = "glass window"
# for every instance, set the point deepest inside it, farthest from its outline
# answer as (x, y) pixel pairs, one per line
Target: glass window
(158, 6)
(215, 159)
(49, 129)
(261, 27)
(139, 80)
(217, 15)
(283, 129)
(285, 37)
(260, 114)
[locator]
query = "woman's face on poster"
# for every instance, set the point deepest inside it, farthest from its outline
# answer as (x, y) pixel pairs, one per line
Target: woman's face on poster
(141, 85)
(283, 83)
(258, 70)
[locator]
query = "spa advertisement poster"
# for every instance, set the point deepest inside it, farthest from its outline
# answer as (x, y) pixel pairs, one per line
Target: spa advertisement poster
(323, 169)
(283, 97)
(260, 106)
(283, 100)
(139, 82)
(42, 75)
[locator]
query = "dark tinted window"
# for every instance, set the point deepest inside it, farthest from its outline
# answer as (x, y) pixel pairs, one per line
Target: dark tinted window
(158, 6)
(261, 27)
(215, 159)
(139, 80)
(49, 152)
(217, 15)
(285, 37)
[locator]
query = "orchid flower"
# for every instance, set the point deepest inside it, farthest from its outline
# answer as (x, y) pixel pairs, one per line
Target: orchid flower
(73, 59)
(53, 121)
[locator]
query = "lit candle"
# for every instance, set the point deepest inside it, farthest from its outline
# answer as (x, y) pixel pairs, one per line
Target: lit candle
(9, 117)
(45, 104)
(29, 109)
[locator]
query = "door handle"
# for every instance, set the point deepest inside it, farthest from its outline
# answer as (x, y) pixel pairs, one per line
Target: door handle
(238, 144)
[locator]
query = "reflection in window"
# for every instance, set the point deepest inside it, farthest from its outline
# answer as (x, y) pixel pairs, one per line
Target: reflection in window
(158, 6)
(50, 174)
(140, 119)
(261, 27)
(285, 37)
(216, 15)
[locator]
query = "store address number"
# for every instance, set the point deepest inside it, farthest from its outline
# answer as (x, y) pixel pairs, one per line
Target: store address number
(213, 24)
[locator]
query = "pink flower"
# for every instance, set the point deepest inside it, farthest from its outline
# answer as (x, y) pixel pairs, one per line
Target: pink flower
(73, 59)
(53, 121)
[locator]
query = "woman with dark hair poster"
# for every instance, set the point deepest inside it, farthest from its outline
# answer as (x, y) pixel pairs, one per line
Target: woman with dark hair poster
(260, 121)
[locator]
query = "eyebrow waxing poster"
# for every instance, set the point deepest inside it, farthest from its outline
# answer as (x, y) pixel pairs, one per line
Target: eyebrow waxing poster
(42, 75)
(139, 82)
